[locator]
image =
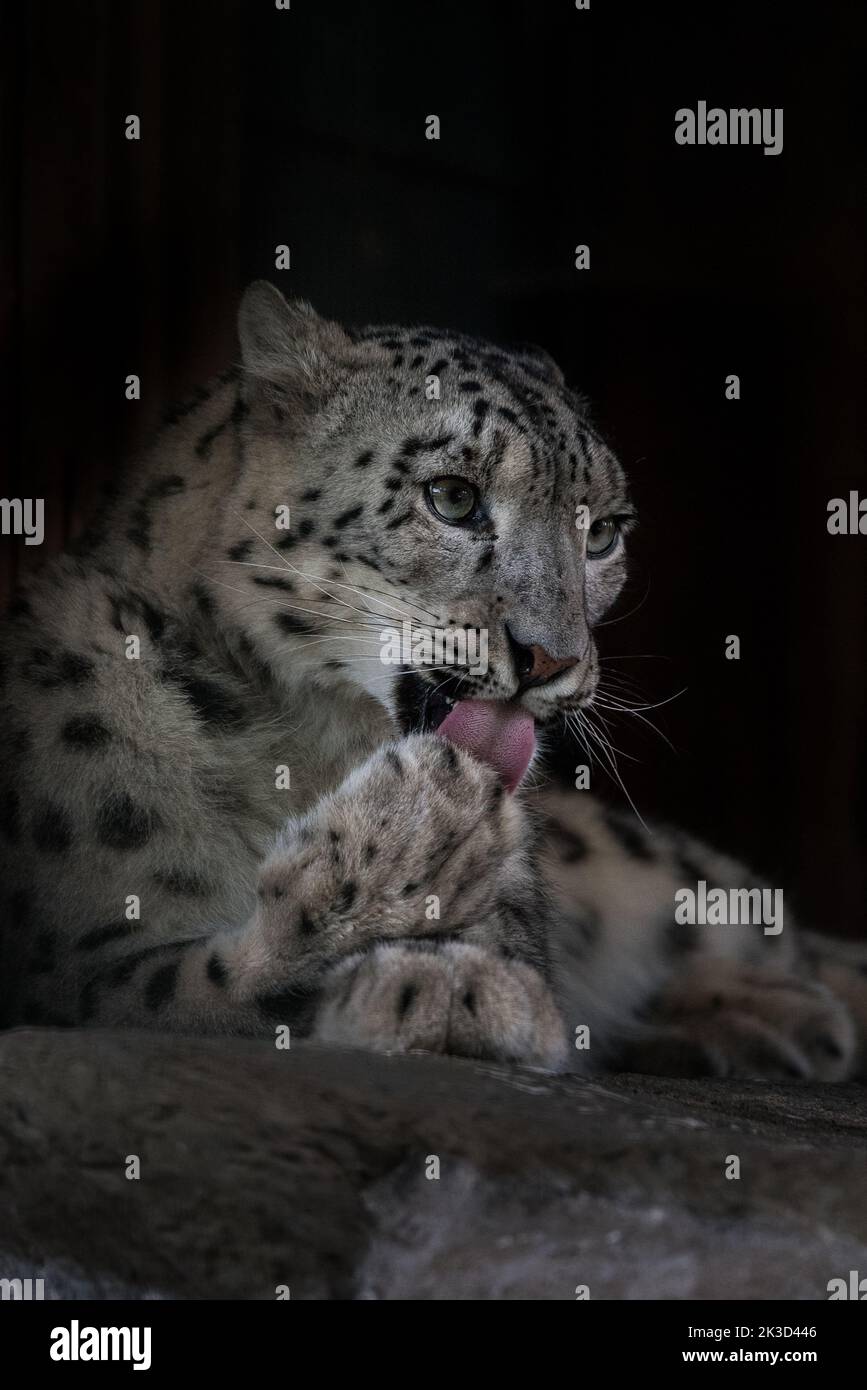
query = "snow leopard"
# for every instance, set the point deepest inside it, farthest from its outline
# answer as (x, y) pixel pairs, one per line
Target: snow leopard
(223, 811)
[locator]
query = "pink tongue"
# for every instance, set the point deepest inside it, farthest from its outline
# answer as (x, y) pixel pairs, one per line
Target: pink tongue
(501, 735)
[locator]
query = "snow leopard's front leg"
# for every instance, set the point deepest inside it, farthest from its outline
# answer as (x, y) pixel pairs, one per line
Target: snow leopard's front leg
(420, 847)
(409, 896)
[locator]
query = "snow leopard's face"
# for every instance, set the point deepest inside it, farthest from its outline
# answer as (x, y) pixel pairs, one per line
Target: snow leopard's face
(455, 525)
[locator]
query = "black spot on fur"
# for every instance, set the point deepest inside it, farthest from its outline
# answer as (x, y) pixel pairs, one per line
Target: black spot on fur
(153, 619)
(216, 970)
(480, 411)
(364, 459)
(51, 828)
(179, 411)
(49, 669)
(432, 445)
(570, 846)
(211, 702)
(631, 838)
(346, 897)
(205, 441)
(101, 936)
(121, 972)
(407, 996)
(678, 938)
(182, 883)
(351, 514)
(274, 581)
(122, 824)
(241, 549)
(306, 925)
(292, 626)
(312, 494)
(141, 517)
(85, 731)
(202, 599)
(306, 527)
(161, 986)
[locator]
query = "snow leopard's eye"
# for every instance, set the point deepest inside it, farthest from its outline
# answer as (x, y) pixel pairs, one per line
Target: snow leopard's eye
(452, 499)
(602, 537)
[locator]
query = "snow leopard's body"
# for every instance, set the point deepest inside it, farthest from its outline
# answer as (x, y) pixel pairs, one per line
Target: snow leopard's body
(217, 815)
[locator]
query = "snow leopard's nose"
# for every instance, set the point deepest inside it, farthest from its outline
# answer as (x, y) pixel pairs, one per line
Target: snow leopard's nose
(534, 665)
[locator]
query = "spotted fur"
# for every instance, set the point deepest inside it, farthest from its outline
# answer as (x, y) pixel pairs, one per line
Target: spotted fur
(221, 812)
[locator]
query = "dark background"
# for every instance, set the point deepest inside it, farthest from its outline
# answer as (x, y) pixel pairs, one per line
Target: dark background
(307, 127)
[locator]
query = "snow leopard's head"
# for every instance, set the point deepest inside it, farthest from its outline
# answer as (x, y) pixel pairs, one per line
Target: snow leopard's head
(454, 527)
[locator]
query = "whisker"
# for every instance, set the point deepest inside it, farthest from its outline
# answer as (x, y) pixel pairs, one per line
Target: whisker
(610, 760)
(623, 616)
(284, 604)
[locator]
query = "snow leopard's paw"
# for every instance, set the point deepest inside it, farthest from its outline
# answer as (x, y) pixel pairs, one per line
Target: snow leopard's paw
(445, 997)
(420, 840)
(725, 1019)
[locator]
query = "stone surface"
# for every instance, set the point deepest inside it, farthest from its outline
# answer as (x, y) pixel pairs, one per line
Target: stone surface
(307, 1168)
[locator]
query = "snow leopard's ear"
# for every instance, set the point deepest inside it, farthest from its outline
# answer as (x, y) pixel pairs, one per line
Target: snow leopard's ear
(538, 363)
(286, 348)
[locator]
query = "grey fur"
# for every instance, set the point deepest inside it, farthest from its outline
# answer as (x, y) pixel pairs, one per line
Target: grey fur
(152, 772)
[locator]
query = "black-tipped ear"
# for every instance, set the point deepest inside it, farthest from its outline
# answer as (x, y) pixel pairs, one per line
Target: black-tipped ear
(286, 344)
